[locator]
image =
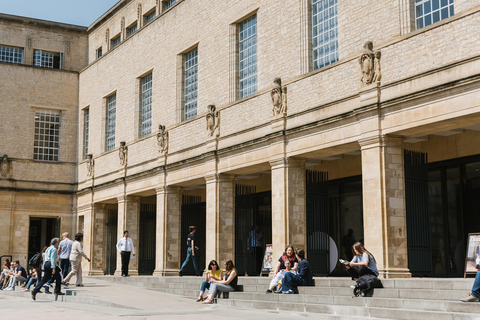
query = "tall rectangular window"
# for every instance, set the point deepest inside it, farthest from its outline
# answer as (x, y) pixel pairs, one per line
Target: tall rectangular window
(98, 53)
(146, 112)
(111, 116)
(431, 11)
(168, 4)
(86, 123)
(11, 54)
(47, 59)
(247, 52)
(190, 84)
(324, 32)
(46, 145)
(115, 42)
(149, 16)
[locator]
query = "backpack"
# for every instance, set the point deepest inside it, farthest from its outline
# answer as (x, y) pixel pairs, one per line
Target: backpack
(366, 284)
(36, 260)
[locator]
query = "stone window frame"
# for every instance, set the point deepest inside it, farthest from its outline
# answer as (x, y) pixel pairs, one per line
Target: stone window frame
(47, 59)
(234, 63)
(149, 16)
(180, 82)
(98, 52)
(146, 104)
(330, 57)
(131, 29)
(110, 120)
(115, 41)
(86, 130)
(11, 54)
(167, 4)
(446, 9)
(43, 150)
(187, 59)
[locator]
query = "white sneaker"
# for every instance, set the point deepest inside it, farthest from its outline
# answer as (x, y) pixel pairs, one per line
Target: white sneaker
(471, 298)
(8, 289)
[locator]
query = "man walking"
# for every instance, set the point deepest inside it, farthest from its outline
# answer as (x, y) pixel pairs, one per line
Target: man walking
(191, 247)
(50, 269)
(125, 248)
(64, 249)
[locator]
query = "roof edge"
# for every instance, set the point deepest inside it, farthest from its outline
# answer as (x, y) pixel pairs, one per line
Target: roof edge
(46, 23)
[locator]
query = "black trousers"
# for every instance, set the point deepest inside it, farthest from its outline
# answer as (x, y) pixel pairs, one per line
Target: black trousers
(361, 271)
(48, 275)
(64, 265)
(125, 262)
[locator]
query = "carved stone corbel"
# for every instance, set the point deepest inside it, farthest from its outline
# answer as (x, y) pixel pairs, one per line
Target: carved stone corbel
(279, 97)
(162, 139)
(370, 64)
(5, 167)
(122, 153)
(90, 165)
(213, 121)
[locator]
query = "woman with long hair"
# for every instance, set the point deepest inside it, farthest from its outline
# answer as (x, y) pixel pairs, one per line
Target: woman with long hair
(214, 273)
(227, 285)
(289, 255)
(363, 260)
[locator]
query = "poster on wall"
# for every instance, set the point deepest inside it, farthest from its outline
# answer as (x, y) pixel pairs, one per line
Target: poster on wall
(472, 263)
(267, 262)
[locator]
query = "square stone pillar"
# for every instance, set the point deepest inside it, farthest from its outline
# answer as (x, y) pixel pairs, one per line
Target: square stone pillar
(219, 217)
(168, 232)
(98, 252)
(384, 215)
(88, 237)
(288, 204)
(128, 219)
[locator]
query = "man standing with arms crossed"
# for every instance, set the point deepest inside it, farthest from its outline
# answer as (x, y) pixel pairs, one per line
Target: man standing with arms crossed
(125, 248)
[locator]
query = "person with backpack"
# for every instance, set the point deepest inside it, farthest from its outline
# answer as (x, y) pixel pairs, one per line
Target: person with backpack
(51, 269)
(362, 263)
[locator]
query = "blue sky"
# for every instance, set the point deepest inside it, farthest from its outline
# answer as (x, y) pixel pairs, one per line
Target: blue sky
(79, 12)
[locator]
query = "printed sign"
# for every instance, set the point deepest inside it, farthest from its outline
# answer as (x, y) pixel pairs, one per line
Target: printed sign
(267, 263)
(472, 263)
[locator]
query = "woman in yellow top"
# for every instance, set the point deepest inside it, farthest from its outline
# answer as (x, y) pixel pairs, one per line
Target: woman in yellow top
(214, 272)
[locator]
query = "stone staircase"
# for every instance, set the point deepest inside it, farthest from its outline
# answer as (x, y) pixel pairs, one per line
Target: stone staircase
(331, 298)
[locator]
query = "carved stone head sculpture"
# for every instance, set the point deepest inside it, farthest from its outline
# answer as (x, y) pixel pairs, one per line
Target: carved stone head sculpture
(122, 153)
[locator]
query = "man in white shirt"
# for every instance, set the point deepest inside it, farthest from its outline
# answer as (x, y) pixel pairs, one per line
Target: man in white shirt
(64, 249)
(125, 248)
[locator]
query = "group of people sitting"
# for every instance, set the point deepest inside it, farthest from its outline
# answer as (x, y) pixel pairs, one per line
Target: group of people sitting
(12, 274)
(291, 271)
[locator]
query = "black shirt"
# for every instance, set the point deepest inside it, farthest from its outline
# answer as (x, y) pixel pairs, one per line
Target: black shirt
(190, 238)
(233, 283)
(23, 272)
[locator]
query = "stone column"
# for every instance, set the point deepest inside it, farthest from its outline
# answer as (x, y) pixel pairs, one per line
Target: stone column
(288, 204)
(88, 236)
(168, 232)
(219, 217)
(128, 219)
(384, 215)
(98, 252)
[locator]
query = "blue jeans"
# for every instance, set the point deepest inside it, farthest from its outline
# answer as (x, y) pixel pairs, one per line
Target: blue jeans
(205, 285)
(30, 282)
(476, 286)
(292, 281)
(195, 264)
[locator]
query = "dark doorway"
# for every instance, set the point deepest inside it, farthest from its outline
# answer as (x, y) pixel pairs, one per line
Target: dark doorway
(346, 217)
(111, 227)
(253, 228)
(194, 214)
(41, 232)
(146, 245)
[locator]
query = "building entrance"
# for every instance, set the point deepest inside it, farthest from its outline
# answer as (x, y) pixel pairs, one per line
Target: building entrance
(194, 214)
(146, 244)
(111, 227)
(41, 232)
(253, 228)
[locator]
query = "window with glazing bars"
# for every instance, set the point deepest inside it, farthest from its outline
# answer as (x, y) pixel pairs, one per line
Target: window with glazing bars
(247, 55)
(98, 53)
(47, 135)
(149, 16)
(431, 11)
(146, 112)
(115, 42)
(111, 115)
(11, 54)
(132, 29)
(190, 83)
(86, 119)
(169, 3)
(47, 59)
(324, 32)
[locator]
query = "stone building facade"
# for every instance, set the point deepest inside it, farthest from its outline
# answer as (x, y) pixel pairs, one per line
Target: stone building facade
(289, 122)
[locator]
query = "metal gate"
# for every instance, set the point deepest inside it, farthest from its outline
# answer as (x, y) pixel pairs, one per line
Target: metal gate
(194, 214)
(111, 226)
(146, 244)
(419, 243)
(253, 228)
(318, 222)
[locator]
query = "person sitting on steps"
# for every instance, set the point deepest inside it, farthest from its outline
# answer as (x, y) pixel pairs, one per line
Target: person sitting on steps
(303, 277)
(363, 260)
(227, 285)
(214, 272)
(289, 255)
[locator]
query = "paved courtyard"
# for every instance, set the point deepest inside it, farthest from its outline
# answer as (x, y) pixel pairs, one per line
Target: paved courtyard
(92, 302)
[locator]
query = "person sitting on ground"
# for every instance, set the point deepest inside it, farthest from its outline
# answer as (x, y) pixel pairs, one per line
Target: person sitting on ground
(363, 260)
(214, 272)
(289, 255)
(227, 285)
(32, 280)
(303, 277)
(475, 294)
(19, 274)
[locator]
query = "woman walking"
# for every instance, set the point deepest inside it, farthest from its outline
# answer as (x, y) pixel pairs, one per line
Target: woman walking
(76, 260)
